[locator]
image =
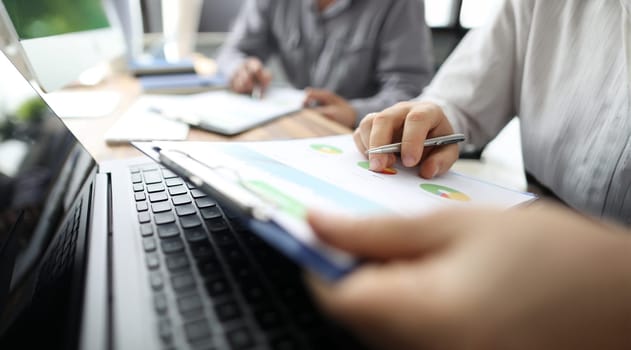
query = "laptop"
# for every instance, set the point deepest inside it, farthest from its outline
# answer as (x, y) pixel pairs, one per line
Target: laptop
(126, 255)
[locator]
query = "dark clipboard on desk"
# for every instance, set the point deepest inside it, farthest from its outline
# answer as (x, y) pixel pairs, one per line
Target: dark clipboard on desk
(271, 225)
(229, 113)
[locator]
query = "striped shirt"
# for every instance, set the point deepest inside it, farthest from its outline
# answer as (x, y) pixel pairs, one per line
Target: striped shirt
(374, 53)
(562, 67)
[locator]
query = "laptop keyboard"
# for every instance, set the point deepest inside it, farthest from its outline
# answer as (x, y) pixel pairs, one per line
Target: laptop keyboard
(216, 285)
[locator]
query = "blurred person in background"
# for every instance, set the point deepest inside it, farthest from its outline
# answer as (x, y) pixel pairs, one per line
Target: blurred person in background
(353, 57)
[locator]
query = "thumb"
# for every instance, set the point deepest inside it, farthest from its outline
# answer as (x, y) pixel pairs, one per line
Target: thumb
(384, 238)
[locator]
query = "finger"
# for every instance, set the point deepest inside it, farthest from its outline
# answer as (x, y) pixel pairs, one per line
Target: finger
(419, 122)
(328, 111)
(390, 160)
(383, 237)
(259, 75)
(242, 82)
(384, 127)
(364, 299)
(438, 161)
(320, 96)
(365, 126)
(357, 137)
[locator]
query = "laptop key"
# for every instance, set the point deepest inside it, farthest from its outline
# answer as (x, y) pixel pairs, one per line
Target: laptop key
(151, 176)
(146, 230)
(268, 318)
(160, 207)
(142, 206)
(190, 221)
(185, 209)
(140, 196)
(197, 193)
(158, 197)
(176, 190)
(164, 218)
(216, 224)
(228, 311)
(210, 213)
(156, 281)
(196, 234)
(165, 331)
(181, 199)
(136, 178)
(157, 187)
(202, 250)
(197, 330)
(224, 237)
(217, 286)
(153, 261)
(172, 245)
(183, 282)
(144, 217)
(205, 202)
(240, 338)
(284, 342)
(173, 182)
(210, 267)
(138, 187)
(168, 230)
(168, 174)
(149, 244)
(189, 303)
(160, 303)
(177, 262)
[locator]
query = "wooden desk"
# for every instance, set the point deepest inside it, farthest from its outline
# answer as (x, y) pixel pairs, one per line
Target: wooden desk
(91, 131)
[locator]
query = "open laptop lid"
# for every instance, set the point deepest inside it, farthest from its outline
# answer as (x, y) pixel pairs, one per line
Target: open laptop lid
(43, 218)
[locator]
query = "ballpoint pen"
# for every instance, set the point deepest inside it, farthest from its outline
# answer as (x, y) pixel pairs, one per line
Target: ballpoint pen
(436, 141)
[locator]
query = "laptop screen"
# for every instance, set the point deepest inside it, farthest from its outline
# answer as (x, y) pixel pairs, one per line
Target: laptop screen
(42, 172)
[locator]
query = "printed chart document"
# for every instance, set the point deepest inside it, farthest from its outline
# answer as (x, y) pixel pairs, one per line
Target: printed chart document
(229, 113)
(276, 181)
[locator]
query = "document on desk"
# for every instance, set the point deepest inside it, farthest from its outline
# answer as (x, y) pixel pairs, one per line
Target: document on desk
(140, 122)
(276, 181)
(230, 113)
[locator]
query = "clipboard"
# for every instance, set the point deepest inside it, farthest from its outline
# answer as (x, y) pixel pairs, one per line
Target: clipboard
(269, 224)
(272, 183)
(230, 113)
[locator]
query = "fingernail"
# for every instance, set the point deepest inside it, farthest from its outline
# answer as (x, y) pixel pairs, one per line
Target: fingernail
(435, 172)
(408, 161)
(375, 164)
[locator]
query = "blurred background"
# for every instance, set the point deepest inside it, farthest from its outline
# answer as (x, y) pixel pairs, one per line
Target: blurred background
(448, 19)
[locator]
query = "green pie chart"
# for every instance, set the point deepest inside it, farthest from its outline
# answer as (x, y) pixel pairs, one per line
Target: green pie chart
(445, 192)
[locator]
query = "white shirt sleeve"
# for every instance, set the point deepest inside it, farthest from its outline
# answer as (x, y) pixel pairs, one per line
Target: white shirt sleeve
(478, 86)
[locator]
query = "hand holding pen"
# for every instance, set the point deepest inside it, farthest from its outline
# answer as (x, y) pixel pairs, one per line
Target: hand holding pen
(412, 123)
(251, 78)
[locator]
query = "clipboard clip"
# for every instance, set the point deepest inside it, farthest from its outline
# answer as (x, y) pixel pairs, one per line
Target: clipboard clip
(221, 181)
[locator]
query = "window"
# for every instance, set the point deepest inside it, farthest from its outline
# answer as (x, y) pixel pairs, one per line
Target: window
(475, 12)
(439, 13)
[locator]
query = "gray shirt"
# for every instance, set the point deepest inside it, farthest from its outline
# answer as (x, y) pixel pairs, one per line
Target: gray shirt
(562, 67)
(374, 53)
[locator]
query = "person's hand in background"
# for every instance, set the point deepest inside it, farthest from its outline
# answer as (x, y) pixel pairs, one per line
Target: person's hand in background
(540, 277)
(409, 123)
(331, 106)
(252, 73)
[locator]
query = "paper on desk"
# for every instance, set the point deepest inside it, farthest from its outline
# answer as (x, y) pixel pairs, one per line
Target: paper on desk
(230, 113)
(330, 174)
(142, 123)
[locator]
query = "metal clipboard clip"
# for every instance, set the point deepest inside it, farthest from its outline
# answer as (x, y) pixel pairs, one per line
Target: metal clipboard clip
(221, 181)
